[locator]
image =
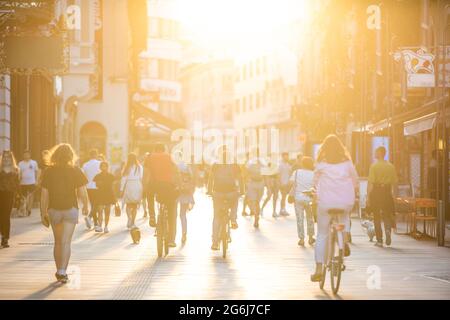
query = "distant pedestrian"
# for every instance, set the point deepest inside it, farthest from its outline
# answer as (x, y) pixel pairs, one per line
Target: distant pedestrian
(285, 170)
(186, 195)
(255, 187)
(62, 185)
(28, 172)
(132, 188)
(272, 183)
(381, 187)
(91, 168)
(105, 194)
(9, 184)
(303, 180)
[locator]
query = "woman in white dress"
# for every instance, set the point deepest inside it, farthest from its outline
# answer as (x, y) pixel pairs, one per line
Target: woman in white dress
(131, 187)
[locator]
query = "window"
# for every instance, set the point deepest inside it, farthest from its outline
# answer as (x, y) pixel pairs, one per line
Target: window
(153, 27)
(237, 106)
(250, 70)
(244, 104)
(250, 102)
(258, 70)
(153, 68)
(258, 100)
(244, 72)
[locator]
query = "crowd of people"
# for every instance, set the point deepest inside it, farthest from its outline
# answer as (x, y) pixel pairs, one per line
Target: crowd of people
(64, 183)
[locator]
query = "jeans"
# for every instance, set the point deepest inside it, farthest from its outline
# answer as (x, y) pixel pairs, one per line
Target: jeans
(302, 209)
(323, 230)
(231, 199)
(382, 206)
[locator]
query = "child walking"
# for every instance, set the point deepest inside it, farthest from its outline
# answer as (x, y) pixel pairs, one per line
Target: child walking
(105, 182)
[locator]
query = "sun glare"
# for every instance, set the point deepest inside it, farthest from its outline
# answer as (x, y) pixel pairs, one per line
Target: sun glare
(219, 24)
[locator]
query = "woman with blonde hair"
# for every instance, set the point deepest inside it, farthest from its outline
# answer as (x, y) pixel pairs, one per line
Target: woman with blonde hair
(9, 184)
(335, 181)
(62, 184)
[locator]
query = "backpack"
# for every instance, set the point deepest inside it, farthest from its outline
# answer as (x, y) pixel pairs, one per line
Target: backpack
(224, 177)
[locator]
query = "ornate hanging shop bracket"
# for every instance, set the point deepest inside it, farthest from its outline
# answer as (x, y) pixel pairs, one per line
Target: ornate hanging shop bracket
(32, 41)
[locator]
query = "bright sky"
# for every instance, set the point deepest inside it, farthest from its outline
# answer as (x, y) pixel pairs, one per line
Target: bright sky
(218, 24)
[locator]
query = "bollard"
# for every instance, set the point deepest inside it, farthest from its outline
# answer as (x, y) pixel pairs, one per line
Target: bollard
(441, 224)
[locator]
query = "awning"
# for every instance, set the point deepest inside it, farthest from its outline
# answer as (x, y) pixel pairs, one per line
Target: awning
(418, 125)
(380, 125)
(156, 117)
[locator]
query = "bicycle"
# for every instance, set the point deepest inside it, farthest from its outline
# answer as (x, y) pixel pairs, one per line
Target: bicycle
(225, 224)
(335, 259)
(162, 230)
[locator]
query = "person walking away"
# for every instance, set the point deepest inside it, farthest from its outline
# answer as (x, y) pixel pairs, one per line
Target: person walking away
(272, 183)
(302, 180)
(9, 184)
(285, 171)
(132, 188)
(225, 184)
(105, 192)
(91, 168)
(62, 185)
(335, 181)
(165, 179)
(381, 187)
(186, 197)
(28, 172)
(255, 187)
(149, 191)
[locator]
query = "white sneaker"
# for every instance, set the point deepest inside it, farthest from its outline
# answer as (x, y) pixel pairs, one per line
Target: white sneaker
(98, 229)
(274, 214)
(88, 223)
(106, 230)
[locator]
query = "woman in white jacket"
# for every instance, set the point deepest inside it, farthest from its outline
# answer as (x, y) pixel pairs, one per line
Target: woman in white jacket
(335, 181)
(131, 187)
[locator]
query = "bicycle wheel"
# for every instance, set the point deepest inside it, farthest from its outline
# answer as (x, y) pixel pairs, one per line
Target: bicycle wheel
(336, 255)
(324, 275)
(160, 235)
(224, 238)
(166, 235)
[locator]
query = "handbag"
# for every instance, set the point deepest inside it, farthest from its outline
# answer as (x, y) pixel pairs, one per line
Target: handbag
(117, 210)
(45, 221)
(291, 196)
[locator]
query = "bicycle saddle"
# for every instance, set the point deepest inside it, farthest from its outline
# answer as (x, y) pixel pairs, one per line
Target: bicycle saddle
(336, 211)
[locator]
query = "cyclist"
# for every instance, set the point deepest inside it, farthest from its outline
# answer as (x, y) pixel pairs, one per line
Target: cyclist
(224, 183)
(164, 177)
(335, 180)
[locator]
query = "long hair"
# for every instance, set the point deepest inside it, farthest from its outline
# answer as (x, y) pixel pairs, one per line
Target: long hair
(131, 161)
(332, 151)
(63, 155)
(13, 160)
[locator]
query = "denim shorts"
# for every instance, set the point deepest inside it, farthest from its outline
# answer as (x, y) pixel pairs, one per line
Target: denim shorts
(60, 216)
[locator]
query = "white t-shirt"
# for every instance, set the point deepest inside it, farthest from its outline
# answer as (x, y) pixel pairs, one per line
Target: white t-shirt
(91, 169)
(28, 170)
(303, 180)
